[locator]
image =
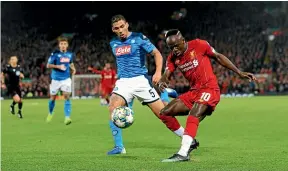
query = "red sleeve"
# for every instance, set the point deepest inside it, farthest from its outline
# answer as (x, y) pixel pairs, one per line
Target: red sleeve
(208, 50)
(96, 71)
(170, 64)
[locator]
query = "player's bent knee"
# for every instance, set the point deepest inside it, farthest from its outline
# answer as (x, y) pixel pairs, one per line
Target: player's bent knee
(16, 98)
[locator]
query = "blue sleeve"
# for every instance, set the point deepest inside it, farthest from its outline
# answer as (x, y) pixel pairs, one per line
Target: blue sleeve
(146, 44)
(51, 59)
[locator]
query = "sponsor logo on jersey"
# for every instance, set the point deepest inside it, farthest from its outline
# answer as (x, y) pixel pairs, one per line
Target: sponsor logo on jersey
(64, 59)
(123, 50)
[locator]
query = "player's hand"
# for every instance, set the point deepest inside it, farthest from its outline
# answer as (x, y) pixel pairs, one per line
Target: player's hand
(73, 72)
(162, 86)
(248, 76)
(156, 77)
(90, 68)
(62, 67)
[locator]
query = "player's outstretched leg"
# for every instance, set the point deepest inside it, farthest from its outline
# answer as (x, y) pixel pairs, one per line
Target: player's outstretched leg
(51, 105)
(67, 108)
(177, 108)
(116, 101)
(192, 123)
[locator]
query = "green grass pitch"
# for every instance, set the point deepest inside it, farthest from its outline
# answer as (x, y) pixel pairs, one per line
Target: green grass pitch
(242, 134)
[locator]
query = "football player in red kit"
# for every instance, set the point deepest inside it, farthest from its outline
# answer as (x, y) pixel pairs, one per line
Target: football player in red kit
(108, 78)
(193, 60)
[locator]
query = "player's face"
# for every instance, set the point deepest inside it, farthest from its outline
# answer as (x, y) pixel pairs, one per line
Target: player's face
(120, 28)
(176, 45)
(63, 45)
(13, 60)
(107, 66)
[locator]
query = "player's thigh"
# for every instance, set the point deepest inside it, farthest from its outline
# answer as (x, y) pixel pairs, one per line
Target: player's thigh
(156, 107)
(66, 87)
(175, 108)
(17, 94)
(205, 103)
(144, 91)
(116, 101)
(121, 95)
(54, 87)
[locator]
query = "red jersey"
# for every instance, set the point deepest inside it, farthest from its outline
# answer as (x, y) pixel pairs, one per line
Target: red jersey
(195, 65)
(108, 76)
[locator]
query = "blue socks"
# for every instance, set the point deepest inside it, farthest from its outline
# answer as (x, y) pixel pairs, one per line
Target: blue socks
(67, 108)
(51, 106)
(117, 132)
(165, 97)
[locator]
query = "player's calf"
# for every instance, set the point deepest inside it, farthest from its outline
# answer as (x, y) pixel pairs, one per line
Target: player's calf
(67, 108)
(51, 106)
(116, 101)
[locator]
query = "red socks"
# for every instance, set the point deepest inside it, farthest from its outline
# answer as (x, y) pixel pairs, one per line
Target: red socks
(170, 122)
(191, 126)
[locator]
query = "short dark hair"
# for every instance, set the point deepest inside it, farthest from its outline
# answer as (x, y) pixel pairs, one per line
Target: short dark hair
(117, 18)
(62, 39)
(172, 32)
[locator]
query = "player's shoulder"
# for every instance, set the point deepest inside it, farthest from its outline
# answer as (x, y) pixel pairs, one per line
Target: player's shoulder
(139, 35)
(55, 52)
(8, 65)
(196, 42)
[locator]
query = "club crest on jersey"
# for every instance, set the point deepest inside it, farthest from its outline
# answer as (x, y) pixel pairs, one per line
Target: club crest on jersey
(64, 59)
(123, 50)
(192, 54)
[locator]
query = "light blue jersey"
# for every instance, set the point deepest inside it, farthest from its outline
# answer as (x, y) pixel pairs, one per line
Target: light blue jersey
(61, 58)
(131, 54)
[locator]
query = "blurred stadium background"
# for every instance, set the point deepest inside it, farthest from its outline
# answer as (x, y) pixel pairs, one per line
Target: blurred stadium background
(254, 35)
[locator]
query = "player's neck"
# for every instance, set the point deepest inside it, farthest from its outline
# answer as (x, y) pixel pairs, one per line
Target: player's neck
(186, 47)
(13, 65)
(63, 51)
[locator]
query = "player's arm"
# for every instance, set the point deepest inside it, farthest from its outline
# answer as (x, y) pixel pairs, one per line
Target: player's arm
(2, 77)
(170, 68)
(73, 69)
(96, 71)
(4, 71)
(72, 66)
(21, 73)
(150, 48)
(158, 60)
(225, 62)
(51, 63)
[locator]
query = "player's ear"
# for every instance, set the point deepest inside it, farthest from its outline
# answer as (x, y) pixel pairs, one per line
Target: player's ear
(127, 24)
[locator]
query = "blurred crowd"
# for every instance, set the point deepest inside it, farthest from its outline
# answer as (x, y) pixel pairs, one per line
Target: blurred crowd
(240, 35)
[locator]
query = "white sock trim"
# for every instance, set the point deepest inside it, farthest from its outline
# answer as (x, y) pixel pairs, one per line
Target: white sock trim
(179, 131)
(186, 143)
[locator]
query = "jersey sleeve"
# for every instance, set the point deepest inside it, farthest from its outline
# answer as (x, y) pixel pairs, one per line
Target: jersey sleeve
(5, 69)
(170, 64)
(51, 59)
(146, 44)
(209, 50)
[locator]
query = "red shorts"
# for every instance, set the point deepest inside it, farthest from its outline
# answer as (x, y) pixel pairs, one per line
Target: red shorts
(106, 90)
(207, 96)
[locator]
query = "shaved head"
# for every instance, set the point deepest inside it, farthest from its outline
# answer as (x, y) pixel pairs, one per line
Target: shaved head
(175, 41)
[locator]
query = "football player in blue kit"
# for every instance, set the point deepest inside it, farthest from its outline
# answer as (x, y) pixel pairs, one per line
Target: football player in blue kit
(61, 61)
(130, 49)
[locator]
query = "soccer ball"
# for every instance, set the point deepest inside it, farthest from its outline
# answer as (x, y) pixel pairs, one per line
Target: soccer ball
(122, 117)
